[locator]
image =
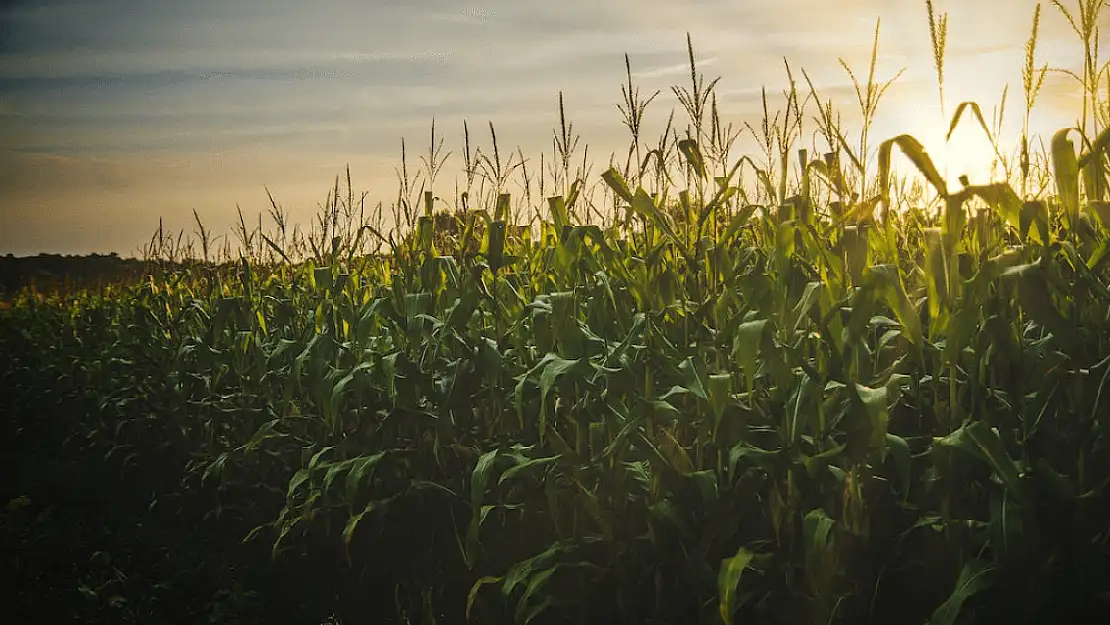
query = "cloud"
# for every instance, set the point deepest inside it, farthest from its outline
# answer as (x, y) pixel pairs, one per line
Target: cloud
(22, 172)
(467, 15)
(176, 104)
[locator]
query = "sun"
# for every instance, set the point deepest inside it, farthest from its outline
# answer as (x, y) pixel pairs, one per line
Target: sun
(967, 152)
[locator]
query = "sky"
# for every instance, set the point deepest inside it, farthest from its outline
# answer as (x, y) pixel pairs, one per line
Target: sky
(116, 113)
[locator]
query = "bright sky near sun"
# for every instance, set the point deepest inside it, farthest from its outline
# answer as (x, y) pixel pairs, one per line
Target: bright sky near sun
(114, 113)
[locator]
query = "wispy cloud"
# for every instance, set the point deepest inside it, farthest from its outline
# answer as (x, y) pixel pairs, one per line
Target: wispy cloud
(162, 106)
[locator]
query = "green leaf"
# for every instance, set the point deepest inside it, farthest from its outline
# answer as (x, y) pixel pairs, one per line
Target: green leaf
(1102, 210)
(899, 450)
(495, 244)
(1006, 524)
(616, 182)
(316, 457)
(738, 222)
(360, 468)
(643, 205)
(693, 377)
(473, 594)
(536, 582)
(974, 106)
(522, 570)
(763, 458)
(558, 209)
(555, 368)
(855, 244)
(335, 400)
(479, 482)
(936, 277)
(913, 150)
(799, 407)
(334, 470)
(817, 527)
(298, 478)
(720, 394)
(689, 149)
(352, 524)
(1065, 168)
(517, 469)
(1034, 222)
(810, 296)
(728, 578)
(867, 426)
(980, 441)
(886, 282)
(322, 278)
(746, 347)
(975, 577)
(525, 617)
(1002, 197)
(818, 533)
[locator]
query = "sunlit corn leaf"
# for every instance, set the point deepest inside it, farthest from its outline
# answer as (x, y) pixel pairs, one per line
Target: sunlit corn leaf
(1034, 222)
(746, 347)
(557, 206)
(855, 244)
(913, 150)
(886, 282)
(936, 279)
(810, 297)
(1002, 197)
(642, 204)
(690, 150)
(616, 182)
(974, 108)
(1065, 170)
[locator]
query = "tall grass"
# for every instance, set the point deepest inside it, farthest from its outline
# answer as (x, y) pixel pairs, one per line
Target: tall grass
(787, 387)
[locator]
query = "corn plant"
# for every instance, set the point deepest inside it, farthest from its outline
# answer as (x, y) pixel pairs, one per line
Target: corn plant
(783, 390)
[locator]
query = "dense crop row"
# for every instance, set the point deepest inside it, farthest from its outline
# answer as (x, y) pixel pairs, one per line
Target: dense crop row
(701, 410)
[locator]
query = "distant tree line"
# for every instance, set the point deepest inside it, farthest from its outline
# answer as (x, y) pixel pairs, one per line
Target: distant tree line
(52, 272)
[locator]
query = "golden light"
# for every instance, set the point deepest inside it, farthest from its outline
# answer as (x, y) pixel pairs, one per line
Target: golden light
(967, 152)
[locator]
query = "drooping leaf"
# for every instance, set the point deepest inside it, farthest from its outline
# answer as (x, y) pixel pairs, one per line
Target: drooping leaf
(473, 594)
(352, 525)
(913, 150)
(361, 468)
(690, 150)
(981, 442)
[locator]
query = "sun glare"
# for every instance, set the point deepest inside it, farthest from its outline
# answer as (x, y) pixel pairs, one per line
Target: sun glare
(967, 152)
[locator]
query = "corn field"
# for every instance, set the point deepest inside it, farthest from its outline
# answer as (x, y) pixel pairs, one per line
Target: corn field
(692, 388)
